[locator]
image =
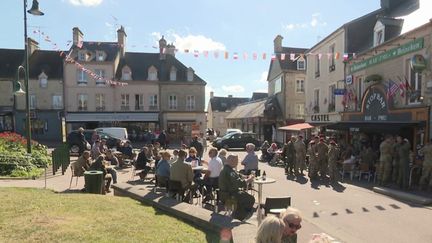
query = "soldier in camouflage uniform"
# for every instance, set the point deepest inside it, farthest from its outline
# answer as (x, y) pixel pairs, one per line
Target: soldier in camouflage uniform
(229, 183)
(386, 151)
(333, 156)
(300, 149)
(289, 155)
(404, 160)
(427, 166)
(322, 150)
(396, 160)
(313, 160)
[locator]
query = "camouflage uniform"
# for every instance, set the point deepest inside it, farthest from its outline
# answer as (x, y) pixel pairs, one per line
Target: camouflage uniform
(322, 150)
(313, 160)
(385, 161)
(396, 162)
(333, 155)
(427, 165)
(404, 160)
(289, 155)
(300, 149)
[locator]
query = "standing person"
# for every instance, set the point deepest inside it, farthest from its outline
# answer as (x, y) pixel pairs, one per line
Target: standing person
(289, 156)
(163, 139)
(404, 160)
(95, 136)
(313, 160)
(211, 176)
(222, 155)
(95, 151)
(427, 166)
(292, 220)
(386, 160)
(270, 230)
(322, 150)
(396, 159)
(203, 141)
(300, 149)
(250, 161)
(333, 156)
(230, 182)
(198, 146)
(81, 141)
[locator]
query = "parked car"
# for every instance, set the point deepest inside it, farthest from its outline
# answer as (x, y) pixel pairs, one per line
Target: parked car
(73, 140)
(236, 140)
(117, 132)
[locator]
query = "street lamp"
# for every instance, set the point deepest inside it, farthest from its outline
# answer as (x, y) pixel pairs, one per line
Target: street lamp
(35, 11)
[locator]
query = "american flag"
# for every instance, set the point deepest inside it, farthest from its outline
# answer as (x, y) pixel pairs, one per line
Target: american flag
(392, 89)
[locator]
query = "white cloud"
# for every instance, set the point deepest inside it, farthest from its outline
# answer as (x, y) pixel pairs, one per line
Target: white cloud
(419, 17)
(86, 3)
(191, 42)
(263, 77)
(233, 88)
(315, 21)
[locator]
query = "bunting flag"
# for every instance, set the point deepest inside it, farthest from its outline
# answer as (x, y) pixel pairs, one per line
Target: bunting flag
(205, 53)
(292, 56)
(273, 57)
(254, 56)
(226, 55)
(337, 54)
(283, 56)
(196, 53)
(264, 55)
(345, 57)
(245, 55)
(235, 56)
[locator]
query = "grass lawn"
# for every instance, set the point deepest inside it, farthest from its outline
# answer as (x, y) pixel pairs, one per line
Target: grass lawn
(36, 215)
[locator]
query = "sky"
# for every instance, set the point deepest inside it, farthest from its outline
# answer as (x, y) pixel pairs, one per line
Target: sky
(238, 26)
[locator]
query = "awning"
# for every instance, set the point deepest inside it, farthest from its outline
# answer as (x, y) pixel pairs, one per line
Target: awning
(126, 116)
(296, 127)
(385, 126)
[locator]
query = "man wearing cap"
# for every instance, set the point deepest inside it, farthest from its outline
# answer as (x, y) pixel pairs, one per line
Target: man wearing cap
(322, 150)
(313, 159)
(229, 183)
(404, 160)
(333, 156)
(300, 149)
(289, 155)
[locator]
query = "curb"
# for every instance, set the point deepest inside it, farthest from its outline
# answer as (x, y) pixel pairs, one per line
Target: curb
(403, 195)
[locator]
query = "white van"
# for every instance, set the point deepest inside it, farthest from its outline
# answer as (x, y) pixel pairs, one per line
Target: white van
(117, 132)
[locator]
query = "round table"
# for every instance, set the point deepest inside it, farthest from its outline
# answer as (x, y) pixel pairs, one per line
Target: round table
(200, 167)
(261, 182)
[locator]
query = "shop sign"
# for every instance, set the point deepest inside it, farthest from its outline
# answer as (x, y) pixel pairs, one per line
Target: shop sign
(390, 54)
(320, 118)
(375, 106)
(349, 79)
(339, 91)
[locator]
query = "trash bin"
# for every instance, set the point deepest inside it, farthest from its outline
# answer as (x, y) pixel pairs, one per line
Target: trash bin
(94, 181)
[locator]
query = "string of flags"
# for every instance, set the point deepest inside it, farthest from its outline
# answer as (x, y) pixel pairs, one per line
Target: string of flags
(77, 64)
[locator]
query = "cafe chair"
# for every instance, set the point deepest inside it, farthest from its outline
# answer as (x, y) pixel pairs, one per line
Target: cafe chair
(275, 203)
(72, 166)
(365, 170)
(176, 189)
(348, 168)
(161, 182)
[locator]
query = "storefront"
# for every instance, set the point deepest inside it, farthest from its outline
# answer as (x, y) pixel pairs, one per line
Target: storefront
(180, 126)
(6, 119)
(44, 125)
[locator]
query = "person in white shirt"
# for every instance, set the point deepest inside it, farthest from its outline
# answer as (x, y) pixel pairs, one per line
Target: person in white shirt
(211, 178)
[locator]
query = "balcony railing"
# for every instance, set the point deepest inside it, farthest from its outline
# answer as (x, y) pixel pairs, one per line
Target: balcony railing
(124, 108)
(100, 108)
(153, 108)
(139, 108)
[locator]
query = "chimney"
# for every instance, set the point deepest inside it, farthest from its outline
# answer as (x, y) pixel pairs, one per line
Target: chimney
(229, 96)
(77, 36)
(162, 48)
(211, 94)
(32, 46)
(277, 42)
(121, 40)
(170, 49)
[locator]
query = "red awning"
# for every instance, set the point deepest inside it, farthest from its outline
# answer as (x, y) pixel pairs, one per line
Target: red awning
(296, 127)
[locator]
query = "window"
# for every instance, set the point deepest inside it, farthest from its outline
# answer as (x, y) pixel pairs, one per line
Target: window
(172, 102)
(32, 102)
(316, 101)
(379, 37)
(82, 102)
(301, 64)
(317, 66)
(81, 78)
(173, 74)
(379, 33)
(82, 56)
(153, 102)
(414, 88)
(190, 102)
(126, 73)
(152, 73)
(139, 102)
(43, 80)
(190, 74)
(332, 98)
(100, 56)
(300, 86)
(299, 110)
(57, 102)
(278, 85)
(332, 66)
(100, 73)
(124, 102)
(100, 102)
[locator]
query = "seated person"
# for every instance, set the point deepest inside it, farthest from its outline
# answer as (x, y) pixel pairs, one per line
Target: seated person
(264, 154)
(82, 164)
(95, 151)
(127, 150)
(156, 152)
(222, 155)
(163, 168)
(272, 152)
(229, 183)
(182, 172)
(99, 166)
(194, 161)
(211, 176)
(111, 158)
(103, 147)
(250, 161)
(142, 163)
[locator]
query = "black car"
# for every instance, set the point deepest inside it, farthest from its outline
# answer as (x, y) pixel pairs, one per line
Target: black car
(73, 140)
(236, 140)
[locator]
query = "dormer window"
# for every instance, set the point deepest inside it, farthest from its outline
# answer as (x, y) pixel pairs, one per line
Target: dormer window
(126, 73)
(81, 56)
(100, 56)
(190, 74)
(379, 33)
(173, 74)
(43, 80)
(301, 64)
(152, 73)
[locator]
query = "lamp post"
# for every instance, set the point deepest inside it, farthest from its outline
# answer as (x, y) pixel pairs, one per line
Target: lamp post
(35, 11)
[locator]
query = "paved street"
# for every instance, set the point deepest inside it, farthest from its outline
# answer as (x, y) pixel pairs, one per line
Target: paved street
(346, 212)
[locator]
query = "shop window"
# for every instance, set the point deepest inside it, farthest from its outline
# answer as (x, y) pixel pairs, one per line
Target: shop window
(190, 74)
(100, 56)
(57, 102)
(100, 102)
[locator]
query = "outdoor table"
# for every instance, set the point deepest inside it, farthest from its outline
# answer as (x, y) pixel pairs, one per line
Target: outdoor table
(94, 181)
(260, 182)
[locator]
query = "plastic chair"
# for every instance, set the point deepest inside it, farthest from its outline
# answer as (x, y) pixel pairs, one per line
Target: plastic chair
(348, 168)
(276, 203)
(72, 166)
(365, 170)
